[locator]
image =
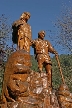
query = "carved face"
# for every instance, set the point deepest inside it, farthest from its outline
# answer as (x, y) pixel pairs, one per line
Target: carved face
(27, 16)
(41, 34)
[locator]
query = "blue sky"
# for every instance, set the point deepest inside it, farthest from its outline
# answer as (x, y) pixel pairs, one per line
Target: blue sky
(43, 13)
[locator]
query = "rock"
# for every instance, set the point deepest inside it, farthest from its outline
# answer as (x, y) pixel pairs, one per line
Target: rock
(16, 72)
(64, 96)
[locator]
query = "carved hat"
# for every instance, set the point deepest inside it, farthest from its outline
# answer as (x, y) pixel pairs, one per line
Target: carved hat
(23, 14)
(41, 32)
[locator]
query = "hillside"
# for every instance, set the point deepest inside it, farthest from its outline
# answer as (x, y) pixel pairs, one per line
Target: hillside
(66, 65)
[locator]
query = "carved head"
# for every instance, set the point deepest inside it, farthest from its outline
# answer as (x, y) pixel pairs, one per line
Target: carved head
(41, 34)
(25, 15)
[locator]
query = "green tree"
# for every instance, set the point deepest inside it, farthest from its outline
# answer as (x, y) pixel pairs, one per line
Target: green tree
(66, 65)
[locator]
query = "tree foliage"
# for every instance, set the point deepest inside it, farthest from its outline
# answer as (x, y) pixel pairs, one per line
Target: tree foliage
(5, 35)
(5, 40)
(64, 25)
(5, 30)
(66, 65)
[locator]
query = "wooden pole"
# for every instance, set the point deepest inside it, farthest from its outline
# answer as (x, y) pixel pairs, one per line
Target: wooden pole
(60, 69)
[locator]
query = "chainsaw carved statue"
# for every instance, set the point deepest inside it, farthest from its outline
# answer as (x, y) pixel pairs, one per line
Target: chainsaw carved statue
(42, 48)
(22, 32)
(22, 86)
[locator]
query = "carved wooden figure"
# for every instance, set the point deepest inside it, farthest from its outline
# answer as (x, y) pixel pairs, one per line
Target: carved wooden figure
(41, 49)
(22, 32)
